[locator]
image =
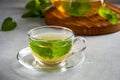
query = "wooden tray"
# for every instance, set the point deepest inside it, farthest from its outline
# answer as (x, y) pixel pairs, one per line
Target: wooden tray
(92, 25)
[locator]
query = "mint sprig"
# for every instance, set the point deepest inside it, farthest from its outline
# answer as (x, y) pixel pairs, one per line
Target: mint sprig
(44, 52)
(49, 49)
(36, 8)
(8, 24)
(109, 15)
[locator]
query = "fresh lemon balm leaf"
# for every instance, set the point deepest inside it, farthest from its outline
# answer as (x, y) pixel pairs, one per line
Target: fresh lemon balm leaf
(36, 8)
(37, 3)
(84, 8)
(32, 14)
(44, 7)
(109, 15)
(76, 8)
(31, 5)
(113, 18)
(41, 51)
(8, 24)
(104, 11)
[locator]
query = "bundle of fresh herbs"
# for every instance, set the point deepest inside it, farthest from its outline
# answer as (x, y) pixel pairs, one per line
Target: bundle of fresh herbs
(36, 8)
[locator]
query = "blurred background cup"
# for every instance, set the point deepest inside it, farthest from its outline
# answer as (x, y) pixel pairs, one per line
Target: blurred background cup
(78, 7)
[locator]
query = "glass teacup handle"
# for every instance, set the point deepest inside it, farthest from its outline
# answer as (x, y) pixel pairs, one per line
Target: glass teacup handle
(79, 45)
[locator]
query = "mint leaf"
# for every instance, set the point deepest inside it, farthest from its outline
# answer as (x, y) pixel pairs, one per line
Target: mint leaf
(109, 15)
(8, 24)
(60, 43)
(36, 8)
(104, 11)
(31, 5)
(41, 43)
(84, 8)
(113, 18)
(33, 14)
(44, 7)
(41, 51)
(50, 49)
(37, 3)
(61, 48)
(77, 8)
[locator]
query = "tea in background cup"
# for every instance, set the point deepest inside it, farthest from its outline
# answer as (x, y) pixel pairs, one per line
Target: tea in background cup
(52, 45)
(78, 7)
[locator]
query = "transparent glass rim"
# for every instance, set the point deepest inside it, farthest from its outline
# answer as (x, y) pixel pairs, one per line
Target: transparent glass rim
(57, 27)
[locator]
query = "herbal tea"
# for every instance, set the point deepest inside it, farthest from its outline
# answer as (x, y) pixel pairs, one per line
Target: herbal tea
(78, 7)
(50, 48)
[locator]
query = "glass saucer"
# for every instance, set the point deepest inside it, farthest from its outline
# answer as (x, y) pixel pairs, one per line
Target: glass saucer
(25, 57)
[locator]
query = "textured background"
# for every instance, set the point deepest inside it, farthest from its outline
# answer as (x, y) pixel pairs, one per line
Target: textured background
(114, 1)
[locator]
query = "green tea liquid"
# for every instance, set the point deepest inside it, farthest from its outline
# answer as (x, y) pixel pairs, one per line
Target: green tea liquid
(78, 7)
(50, 48)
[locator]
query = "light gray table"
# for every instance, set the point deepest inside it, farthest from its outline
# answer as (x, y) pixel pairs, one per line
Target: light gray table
(102, 54)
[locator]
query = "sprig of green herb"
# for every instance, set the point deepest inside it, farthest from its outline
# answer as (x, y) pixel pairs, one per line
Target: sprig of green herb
(49, 49)
(109, 15)
(8, 24)
(36, 8)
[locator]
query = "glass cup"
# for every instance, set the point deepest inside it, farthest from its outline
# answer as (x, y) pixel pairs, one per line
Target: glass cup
(52, 45)
(78, 7)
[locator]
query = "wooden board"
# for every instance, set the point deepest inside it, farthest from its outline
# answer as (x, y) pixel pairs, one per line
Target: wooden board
(92, 25)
